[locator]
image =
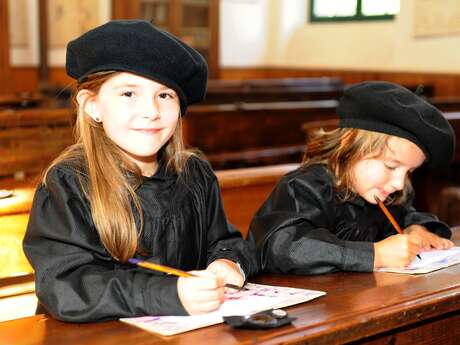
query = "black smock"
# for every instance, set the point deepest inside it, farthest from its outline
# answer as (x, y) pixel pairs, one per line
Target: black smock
(184, 227)
(303, 229)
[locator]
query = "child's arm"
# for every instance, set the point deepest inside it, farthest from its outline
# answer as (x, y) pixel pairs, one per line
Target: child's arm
(291, 229)
(76, 279)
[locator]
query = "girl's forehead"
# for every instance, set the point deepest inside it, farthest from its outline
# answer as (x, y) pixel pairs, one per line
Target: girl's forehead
(126, 78)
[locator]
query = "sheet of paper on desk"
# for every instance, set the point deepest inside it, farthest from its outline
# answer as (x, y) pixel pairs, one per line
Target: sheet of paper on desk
(430, 261)
(256, 298)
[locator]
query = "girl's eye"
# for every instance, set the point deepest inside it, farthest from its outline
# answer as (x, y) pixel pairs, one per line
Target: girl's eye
(390, 167)
(128, 94)
(166, 95)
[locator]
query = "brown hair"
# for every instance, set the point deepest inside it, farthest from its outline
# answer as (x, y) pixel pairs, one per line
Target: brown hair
(340, 149)
(112, 194)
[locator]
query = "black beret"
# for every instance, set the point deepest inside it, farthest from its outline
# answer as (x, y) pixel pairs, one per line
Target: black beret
(392, 109)
(138, 47)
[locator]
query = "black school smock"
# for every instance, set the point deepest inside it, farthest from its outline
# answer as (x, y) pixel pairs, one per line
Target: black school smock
(303, 229)
(184, 227)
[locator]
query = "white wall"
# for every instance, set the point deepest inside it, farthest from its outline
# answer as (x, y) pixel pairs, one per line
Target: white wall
(243, 31)
(286, 39)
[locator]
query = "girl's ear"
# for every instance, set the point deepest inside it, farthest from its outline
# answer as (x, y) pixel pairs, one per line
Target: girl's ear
(87, 102)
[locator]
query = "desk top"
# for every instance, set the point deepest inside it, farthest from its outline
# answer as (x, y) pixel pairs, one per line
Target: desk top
(357, 305)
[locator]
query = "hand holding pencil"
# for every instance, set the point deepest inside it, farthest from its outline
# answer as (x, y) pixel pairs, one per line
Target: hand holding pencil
(199, 291)
(179, 273)
(395, 251)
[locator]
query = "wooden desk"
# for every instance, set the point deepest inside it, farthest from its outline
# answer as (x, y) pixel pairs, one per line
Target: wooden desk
(363, 308)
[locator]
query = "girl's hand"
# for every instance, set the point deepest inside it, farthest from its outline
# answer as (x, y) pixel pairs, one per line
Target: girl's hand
(228, 271)
(201, 294)
(429, 240)
(396, 251)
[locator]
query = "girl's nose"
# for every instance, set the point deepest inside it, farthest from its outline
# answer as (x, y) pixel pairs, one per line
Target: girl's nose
(398, 182)
(152, 110)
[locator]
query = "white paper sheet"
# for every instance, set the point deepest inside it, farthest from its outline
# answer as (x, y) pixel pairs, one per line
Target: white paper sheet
(256, 298)
(430, 261)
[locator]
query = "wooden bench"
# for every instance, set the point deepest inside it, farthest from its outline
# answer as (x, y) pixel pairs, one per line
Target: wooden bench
(446, 104)
(272, 90)
(31, 138)
(21, 100)
(251, 134)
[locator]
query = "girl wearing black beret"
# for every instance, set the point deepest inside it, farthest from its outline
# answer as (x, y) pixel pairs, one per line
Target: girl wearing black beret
(323, 216)
(129, 189)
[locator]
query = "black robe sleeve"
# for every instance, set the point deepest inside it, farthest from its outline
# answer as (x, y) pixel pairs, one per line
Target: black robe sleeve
(76, 279)
(292, 229)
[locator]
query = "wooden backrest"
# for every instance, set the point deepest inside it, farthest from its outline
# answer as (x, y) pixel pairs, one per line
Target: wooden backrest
(272, 90)
(237, 127)
(31, 138)
(244, 190)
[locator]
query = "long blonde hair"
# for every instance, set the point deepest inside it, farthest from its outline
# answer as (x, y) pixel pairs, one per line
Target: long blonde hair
(102, 169)
(340, 149)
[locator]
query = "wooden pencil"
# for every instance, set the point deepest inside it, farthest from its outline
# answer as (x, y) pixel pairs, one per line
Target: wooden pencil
(173, 271)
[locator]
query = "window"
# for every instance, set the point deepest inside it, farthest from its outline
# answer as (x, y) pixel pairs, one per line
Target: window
(352, 10)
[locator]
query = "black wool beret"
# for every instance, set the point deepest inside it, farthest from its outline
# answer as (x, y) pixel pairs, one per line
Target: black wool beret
(392, 109)
(138, 47)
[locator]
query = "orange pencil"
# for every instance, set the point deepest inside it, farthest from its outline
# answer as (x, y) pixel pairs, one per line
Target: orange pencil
(172, 271)
(390, 217)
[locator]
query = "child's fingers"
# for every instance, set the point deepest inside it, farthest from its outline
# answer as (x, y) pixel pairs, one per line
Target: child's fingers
(448, 243)
(443, 243)
(207, 307)
(206, 280)
(204, 296)
(203, 274)
(234, 278)
(228, 271)
(195, 295)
